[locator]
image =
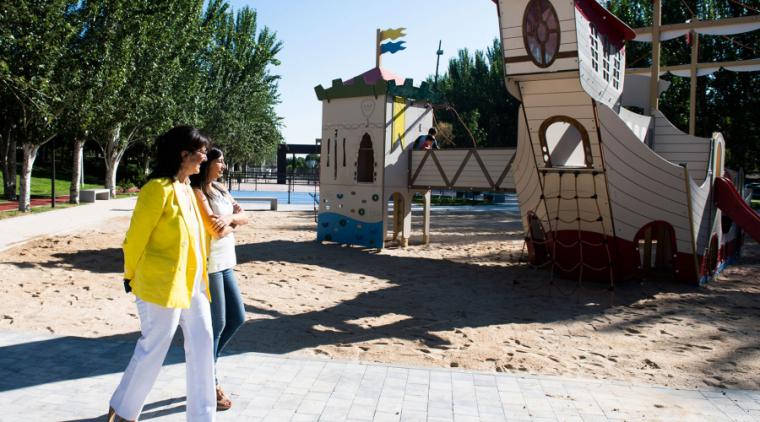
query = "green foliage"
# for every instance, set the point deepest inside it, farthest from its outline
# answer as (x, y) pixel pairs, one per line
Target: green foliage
(120, 72)
(474, 87)
(240, 93)
(34, 36)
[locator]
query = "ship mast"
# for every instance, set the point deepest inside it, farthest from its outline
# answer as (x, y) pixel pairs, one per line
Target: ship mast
(658, 33)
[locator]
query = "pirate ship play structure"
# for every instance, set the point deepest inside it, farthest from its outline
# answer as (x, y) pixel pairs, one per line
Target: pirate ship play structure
(605, 193)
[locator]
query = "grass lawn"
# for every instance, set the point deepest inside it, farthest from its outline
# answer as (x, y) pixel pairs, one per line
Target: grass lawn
(41, 186)
(756, 203)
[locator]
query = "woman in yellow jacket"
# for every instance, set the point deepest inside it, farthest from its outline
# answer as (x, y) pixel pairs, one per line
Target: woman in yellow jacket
(165, 252)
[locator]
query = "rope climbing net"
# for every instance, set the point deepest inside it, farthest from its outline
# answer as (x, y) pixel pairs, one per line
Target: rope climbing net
(553, 218)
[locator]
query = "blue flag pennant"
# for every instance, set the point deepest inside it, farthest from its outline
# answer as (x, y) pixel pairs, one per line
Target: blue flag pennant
(392, 47)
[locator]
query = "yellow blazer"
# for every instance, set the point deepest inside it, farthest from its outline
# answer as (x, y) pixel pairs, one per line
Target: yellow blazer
(158, 254)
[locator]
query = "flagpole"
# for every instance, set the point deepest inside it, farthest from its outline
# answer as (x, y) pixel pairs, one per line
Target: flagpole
(377, 49)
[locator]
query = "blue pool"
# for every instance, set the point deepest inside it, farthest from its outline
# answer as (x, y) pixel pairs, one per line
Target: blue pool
(301, 198)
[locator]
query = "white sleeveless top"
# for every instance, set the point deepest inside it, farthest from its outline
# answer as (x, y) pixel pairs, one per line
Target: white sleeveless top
(222, 253)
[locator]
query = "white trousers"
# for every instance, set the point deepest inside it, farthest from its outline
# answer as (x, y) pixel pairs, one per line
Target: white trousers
(158, 325)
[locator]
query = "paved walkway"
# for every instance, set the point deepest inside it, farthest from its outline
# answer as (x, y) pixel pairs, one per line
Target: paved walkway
(19, 229)
(70, 379)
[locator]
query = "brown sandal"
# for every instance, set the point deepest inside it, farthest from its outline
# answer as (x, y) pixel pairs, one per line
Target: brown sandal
(113, 417)
(222, 401)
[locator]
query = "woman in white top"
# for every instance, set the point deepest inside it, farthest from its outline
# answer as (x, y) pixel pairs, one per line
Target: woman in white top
(222, 215)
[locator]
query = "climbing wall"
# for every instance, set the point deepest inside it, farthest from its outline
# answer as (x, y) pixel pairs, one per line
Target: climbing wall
(351, 177)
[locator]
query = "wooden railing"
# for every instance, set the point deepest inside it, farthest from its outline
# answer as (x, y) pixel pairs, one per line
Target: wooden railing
(462, 169)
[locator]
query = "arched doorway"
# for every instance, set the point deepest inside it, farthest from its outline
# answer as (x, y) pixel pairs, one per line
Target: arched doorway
(365, 164)
(656, 246)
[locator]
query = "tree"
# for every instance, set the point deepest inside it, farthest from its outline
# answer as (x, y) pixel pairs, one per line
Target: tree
(33, 38)
(141, 48)
(240, 93)
(78, 92)
(474, 87)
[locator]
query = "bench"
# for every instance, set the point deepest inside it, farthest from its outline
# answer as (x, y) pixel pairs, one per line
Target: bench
(272, 201)
(90, 195)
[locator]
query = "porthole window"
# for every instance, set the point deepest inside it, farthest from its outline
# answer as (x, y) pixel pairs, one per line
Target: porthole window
(541, 32)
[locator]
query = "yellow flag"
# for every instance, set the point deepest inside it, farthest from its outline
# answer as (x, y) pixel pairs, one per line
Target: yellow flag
(392, 34)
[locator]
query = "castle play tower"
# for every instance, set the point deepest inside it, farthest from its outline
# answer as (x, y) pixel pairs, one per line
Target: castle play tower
(369, 124)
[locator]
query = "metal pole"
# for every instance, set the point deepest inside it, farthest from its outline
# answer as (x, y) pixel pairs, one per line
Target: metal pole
(438, 54)
(52, 180)
(377, 49)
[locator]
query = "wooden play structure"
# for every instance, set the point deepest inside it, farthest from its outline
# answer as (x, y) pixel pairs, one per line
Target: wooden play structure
(605, 193)
(369, 124)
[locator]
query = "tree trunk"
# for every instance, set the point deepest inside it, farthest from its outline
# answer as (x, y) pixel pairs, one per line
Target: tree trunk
(75, 174)
(114, 151)
(30, 153)
(146, 163)
(9, 167)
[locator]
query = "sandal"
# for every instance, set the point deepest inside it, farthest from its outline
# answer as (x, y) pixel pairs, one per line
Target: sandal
(222, 401)
(113, 417)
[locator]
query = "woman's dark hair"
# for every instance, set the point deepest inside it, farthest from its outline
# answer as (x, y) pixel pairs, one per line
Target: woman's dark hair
(201, 180)
(169, 147)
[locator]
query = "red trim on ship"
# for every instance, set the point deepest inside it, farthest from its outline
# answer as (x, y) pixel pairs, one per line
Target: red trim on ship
(607, 23)
(623, 254)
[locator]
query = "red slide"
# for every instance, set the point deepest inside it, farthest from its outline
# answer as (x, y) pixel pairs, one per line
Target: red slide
(732, 204)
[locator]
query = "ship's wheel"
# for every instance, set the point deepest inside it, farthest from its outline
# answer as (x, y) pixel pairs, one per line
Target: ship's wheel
(541, 32)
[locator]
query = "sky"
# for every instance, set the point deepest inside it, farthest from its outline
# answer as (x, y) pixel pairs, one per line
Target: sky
(331, 39)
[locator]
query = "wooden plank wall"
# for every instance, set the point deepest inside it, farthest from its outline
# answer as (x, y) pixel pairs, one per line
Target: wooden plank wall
(526, 179)
(679, 147)
(638, 123)
(548, 98)
(643, 186)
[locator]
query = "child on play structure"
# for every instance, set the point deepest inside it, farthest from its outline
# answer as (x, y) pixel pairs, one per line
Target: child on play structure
(424, 142)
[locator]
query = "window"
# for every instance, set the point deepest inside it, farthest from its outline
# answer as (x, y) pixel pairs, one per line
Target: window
(564, 143)
(594, 42)
(365, 171)
(616, 70)
(541, 32)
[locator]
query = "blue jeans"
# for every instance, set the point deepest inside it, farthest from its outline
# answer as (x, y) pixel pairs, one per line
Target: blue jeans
(227, 310)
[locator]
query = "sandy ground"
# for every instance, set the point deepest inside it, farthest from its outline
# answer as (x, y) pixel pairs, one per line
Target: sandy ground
(463, 301)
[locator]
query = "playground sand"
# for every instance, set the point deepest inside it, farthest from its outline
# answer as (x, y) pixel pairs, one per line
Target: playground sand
(463, 301)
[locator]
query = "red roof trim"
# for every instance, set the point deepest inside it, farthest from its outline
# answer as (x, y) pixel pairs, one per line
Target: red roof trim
(607, 23)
